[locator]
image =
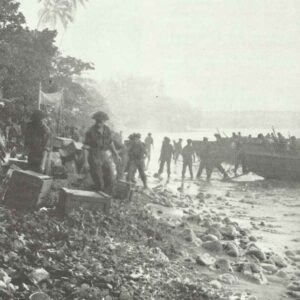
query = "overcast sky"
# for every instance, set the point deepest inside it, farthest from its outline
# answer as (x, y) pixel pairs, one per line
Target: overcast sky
(229, 54)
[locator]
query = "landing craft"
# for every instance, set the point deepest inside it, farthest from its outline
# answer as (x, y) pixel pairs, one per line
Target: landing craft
(260, 160)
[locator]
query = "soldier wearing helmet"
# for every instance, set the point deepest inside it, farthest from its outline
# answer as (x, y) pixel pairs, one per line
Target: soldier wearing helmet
(97, 147)
(37, 142)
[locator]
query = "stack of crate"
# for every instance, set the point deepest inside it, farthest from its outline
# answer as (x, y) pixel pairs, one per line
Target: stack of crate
(70, 199)
(27, 190)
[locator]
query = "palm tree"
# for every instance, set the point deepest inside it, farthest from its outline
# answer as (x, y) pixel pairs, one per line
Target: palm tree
(58, 10)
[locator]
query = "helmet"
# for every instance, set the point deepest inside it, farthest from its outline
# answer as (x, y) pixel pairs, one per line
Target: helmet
(100, 116)
(38, 115)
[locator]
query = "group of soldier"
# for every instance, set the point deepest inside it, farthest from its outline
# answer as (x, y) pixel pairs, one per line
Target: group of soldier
(104, 152)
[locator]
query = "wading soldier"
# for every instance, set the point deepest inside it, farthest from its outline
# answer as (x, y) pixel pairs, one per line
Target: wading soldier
(188, 156)
(177, 150)
(166, 153)
(98, 142)
(37, 142)
(136, 156)
(149, 145)
(204, 158)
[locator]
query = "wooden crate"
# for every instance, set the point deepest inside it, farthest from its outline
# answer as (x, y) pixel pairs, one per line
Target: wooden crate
(70, 149)
(123, 190)
(70, 200)
(22, 164)
(59, 142)
(27, 190)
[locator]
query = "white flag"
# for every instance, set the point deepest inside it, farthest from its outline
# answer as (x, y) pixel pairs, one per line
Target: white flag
(51, 99)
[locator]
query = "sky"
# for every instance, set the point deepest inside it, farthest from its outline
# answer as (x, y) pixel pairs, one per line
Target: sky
(215, 54)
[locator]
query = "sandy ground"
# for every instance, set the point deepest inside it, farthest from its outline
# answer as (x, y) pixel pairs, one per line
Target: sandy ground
(270, 209)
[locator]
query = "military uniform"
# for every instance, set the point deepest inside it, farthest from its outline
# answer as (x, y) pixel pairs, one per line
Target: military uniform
(136, 156)
(37, 141)
(98, 145)
(187, 155)
(166, 153)
(204, 159)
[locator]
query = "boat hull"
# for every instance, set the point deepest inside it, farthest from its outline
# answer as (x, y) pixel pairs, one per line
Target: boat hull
(273, 166)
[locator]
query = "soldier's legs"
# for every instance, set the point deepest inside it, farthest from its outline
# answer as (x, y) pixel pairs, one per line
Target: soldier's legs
(184, 168)
(131, 170)
(161, 167)
(190, 164)
(141, 169)
(201, 168)
(169, 167)
(222, 170)
(108, 176)
(96, 172)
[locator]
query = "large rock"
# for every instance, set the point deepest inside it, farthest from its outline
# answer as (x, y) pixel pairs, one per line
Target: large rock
(229, 232)
(256, 252)
(214, 231)
(205, 259)
(270, 268)
(231, 249)
(214, 246)
(216, 284)
(190, 236)
(279, 261)
(209, 237)
(223, 265)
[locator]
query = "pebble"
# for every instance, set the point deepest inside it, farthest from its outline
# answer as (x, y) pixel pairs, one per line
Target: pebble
(40, 274)
(190, 236)
(229, 232)
(282, 274)
(214, 246)
(294, 286)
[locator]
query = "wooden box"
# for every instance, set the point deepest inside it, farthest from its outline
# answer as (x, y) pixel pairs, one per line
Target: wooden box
(22, 164)
(123, 190)
(59, 142)
(27, 189)
(70, 199)
(70, 149)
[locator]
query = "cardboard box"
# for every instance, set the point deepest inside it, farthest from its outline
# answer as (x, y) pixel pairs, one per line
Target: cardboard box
(70, 200)
(123, 190)
(27, 190)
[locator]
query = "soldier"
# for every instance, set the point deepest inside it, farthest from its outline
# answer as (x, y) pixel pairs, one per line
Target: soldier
(98, 142)
(136, 156)
(239, 155)
(166, 153)
(37, 142)
(149, 145)
(204, 157)
(188, 155)
(177, 149)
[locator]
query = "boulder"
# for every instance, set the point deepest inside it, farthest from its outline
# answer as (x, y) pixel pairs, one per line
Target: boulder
(209, 237)
(223, 265)
(270, 268)
(214, 246)
(229, 232)
(231, 249)
(215, 232)
(190, 236)
(279, 261)
(256, 252)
